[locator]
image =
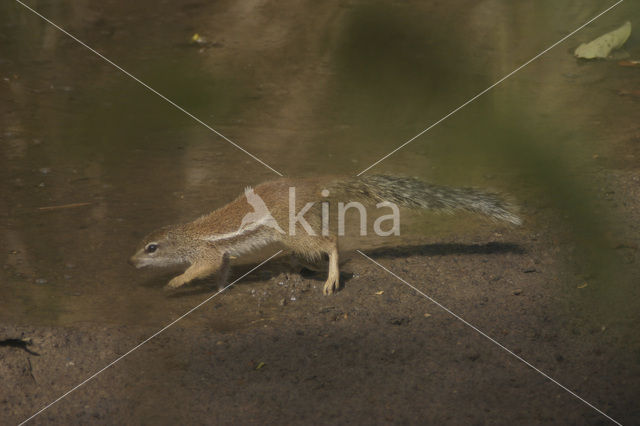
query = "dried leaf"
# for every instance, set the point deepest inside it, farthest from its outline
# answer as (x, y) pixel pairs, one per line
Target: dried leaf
(603, 45)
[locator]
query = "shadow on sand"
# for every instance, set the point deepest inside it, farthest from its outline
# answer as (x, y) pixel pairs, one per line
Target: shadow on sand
(284, 265)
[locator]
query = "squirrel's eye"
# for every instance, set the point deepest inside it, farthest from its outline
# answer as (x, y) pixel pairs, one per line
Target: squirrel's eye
(151, 248)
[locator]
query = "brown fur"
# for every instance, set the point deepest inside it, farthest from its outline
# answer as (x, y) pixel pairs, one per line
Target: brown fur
(207, 243)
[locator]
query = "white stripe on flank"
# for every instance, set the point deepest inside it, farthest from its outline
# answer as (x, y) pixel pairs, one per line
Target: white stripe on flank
(241, 231)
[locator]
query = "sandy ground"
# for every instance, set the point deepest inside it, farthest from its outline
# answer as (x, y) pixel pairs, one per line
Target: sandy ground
(374, 353)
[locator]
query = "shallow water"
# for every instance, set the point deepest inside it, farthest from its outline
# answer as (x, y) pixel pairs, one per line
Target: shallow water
(311, 89)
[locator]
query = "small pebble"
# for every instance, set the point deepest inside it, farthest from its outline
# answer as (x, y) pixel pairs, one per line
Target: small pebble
(517, 292)
(293, 298)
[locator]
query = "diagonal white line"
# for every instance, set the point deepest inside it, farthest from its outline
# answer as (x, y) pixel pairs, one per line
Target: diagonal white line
(150, 88)
(490, 87)
(94, 375)
(482, 333)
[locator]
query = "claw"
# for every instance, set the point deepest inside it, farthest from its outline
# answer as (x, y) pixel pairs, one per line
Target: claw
(331, 286)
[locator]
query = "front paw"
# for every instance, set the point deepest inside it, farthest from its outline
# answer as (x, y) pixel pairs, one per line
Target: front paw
(174, 283)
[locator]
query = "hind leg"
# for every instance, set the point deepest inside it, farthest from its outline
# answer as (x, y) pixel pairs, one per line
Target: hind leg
(298, 262)
(333, 280)
(313, 247)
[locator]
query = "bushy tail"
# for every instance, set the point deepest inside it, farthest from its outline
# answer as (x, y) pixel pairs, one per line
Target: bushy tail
(414, 193)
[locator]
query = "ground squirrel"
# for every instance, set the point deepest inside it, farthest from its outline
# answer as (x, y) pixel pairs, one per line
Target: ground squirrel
(258, 218)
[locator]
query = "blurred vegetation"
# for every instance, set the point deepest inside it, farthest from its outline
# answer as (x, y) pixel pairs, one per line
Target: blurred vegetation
(398, 70)
(394, 68)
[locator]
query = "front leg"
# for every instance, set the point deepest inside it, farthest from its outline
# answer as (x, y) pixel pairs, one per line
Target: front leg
(202, 268)
(223, 272)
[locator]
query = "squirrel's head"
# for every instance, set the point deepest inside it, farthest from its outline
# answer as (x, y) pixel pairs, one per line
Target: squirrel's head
(160, 248)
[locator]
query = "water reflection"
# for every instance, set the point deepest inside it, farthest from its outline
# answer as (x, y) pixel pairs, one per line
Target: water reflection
(316, 89)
